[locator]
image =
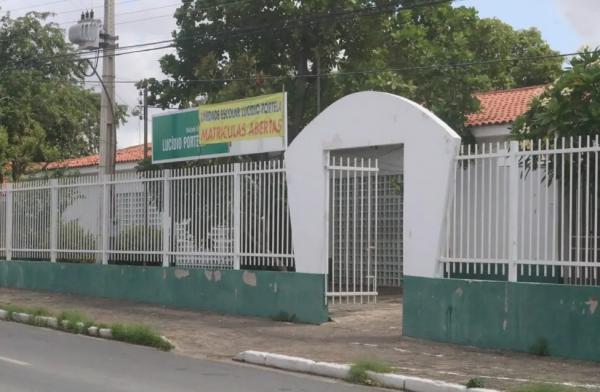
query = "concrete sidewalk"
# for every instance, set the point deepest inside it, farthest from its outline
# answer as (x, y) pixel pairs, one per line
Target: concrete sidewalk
(367, 332)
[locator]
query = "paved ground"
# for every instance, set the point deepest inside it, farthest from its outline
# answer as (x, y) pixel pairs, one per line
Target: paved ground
(356, 333)
(36, 359)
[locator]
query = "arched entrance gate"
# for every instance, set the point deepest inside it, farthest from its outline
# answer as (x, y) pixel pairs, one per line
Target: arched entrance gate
(337, 208)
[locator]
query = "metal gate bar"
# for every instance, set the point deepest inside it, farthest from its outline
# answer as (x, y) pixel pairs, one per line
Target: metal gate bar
(353, 225)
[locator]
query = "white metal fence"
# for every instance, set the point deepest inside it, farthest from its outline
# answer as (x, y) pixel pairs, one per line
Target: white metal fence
(525, 211)
(217, 216)
(352, 242)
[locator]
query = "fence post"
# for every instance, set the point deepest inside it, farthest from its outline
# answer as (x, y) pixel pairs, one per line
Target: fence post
(513, 212)
(166, 217)
(237, 214)
(327, 217)
(9, 220)
(53, 219)
(105, 217)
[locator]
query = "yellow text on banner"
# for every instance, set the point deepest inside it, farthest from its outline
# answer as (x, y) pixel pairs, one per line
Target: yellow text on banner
(250, 118)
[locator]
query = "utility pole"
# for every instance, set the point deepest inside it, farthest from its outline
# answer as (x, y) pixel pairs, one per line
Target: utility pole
(143, 102)
(145, 122)
(318, 82)
(108, 111)
(88, 35)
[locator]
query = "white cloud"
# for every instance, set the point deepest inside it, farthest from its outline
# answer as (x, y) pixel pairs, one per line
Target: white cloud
(583, 15)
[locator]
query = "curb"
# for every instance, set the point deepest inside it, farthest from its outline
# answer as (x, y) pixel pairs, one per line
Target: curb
(52, 322)
(342, 371)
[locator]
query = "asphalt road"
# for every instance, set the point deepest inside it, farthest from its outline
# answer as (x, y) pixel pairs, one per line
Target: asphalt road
(35, 359)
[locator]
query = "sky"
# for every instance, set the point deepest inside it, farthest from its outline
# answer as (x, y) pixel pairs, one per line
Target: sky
(567, 25)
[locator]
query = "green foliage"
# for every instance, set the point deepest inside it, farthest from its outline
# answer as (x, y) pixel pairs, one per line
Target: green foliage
(286, 44)
(139, 334)
(33, 310)
(475, 383)
(73, 236)
(540, 347)
(150, 237)
(429, 36)
(130, 333)
(358, 370)
(45, 111)
(74, 317)
(569, 107)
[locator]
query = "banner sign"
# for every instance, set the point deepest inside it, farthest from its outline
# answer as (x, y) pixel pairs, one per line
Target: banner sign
(175, 138)
(245, 119)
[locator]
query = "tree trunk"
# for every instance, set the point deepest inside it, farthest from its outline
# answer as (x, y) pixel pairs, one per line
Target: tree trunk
(301, 86)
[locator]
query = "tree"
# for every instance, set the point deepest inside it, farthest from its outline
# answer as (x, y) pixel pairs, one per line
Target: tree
(270, 45)
(231, 50)
(424, 43)
(567, 115)
(46, 113)
(568, 107)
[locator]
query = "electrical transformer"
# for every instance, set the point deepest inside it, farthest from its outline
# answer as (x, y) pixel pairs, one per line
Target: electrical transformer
(86, 33)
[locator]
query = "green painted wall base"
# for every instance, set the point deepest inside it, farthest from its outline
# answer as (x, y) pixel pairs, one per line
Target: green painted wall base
(527, 317)
(280, 295)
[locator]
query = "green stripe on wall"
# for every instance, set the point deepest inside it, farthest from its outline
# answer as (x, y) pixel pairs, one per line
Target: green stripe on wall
(504, 315)
(251, 293)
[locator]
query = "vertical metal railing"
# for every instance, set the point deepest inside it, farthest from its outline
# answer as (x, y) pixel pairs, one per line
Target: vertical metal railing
(526, 211)
(352, 229)
(212, 216)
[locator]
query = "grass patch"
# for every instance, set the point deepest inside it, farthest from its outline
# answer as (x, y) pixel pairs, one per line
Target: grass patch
(475, 383)
(74, 317)
(79, 323)
(139, 334)
(358, 371)
(33, 310)
(545, 388)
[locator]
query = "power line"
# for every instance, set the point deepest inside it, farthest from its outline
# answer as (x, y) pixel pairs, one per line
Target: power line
(365, 72)
(144, 19)
(283, 24)
(166, 44)
(100, 7)
(227, 3)
(130, 12)
(38, 5)
(53, 3)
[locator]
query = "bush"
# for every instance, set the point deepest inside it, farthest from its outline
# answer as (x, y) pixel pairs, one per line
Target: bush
(79, 323)
(475, 383)
(358, 370)
(74, 317)
(569, 107)
(139, 334)
(32, 310)
(138, 238)
(73, 237)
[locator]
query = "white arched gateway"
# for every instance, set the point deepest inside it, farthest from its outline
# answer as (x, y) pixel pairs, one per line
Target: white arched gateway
(405, 137)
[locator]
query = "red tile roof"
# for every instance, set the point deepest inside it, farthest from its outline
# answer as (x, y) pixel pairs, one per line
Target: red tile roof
(497, 107)
(124, 155)
(503, 106)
